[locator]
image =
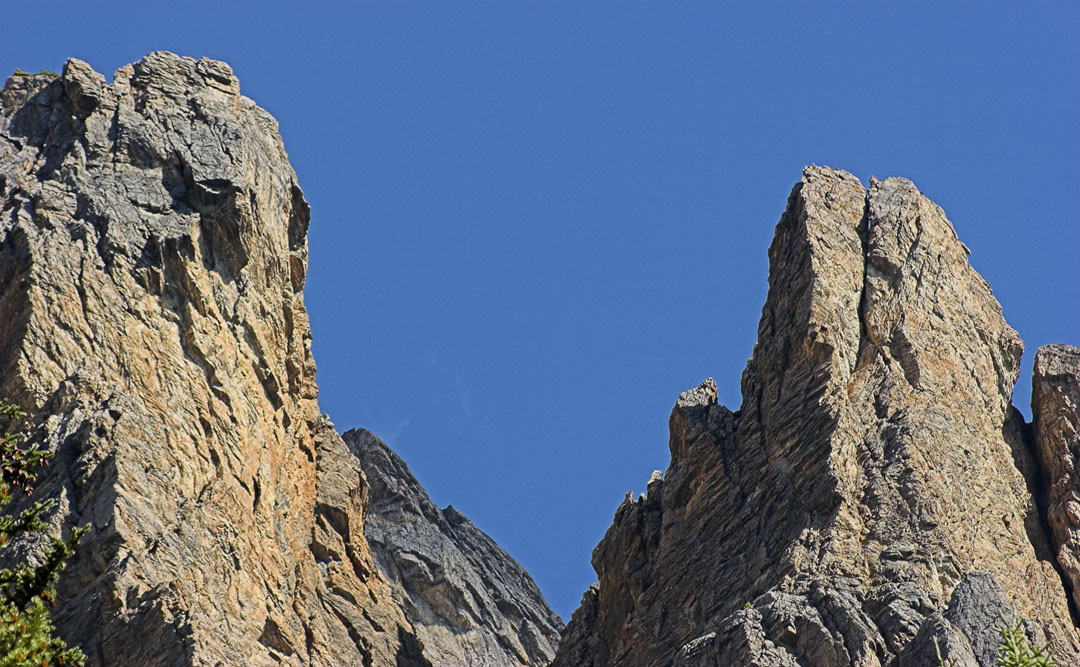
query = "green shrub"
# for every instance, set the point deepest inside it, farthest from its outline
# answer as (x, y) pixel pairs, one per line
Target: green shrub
(41, 72)
(1015, 651)
(26, 632)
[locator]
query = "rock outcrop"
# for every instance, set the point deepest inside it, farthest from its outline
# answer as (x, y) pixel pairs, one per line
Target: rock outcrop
(153, 258)
(875, 501)
(153, 253)
(469, 601)
(875, 492)
(1055, 412)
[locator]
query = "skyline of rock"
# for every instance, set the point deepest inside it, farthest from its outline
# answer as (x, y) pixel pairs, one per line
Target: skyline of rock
(153, 261)
(875, 491)
(875, 468)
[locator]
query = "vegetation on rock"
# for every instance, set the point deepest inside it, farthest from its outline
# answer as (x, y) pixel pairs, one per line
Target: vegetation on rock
(41, 72)
(1015, 650)
(26, 633)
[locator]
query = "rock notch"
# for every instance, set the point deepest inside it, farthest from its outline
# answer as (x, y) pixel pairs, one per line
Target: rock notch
(875, 479)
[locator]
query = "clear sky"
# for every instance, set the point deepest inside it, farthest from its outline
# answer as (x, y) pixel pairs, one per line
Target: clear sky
(533, 225)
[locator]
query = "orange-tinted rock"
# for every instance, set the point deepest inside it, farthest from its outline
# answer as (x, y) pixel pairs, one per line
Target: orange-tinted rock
(1055, 408)
(875, 464)
(152, 263)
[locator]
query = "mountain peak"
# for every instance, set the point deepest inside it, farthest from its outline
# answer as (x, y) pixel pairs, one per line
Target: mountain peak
(154, 253)
(874, 466)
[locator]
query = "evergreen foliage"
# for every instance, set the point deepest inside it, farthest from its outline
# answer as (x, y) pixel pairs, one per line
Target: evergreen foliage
(1015, 651)
(26, 632)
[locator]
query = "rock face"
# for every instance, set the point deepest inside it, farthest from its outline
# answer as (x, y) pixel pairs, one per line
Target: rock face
(876, 499)
(875, 490)
(152, 258)
(1055, 411)
(469, 601)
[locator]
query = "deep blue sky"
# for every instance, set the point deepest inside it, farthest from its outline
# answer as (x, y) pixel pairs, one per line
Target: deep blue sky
(535, 224)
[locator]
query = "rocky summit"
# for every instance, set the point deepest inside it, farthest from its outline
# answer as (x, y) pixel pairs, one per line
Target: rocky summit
(877, 498)
(876, 501)
(153, 252)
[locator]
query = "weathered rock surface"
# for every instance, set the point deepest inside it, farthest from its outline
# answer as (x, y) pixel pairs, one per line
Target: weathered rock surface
(152, 258)
(874, 499)
(966, 634)
(875, 480)
(1055, 412)
(470, 602)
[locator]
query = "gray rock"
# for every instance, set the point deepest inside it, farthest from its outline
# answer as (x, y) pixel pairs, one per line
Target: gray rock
(967, 633)
(978, 608)
(938, 642)
(699, 652)
(469, 601)
(153, 253)
(876, 461)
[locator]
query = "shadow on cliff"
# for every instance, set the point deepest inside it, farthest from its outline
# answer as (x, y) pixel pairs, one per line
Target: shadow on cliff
(1020, 436)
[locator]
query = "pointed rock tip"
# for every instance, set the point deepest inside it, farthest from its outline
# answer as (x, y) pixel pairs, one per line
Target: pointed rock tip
(1057, 359)
(893, 183)
(77, 65)
(701, 395)
(815, 173)
(84, 86)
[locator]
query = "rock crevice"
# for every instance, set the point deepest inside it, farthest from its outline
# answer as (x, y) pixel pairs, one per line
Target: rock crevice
(1055, 441)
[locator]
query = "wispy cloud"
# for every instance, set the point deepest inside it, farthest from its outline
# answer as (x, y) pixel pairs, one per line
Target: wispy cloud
(392, 433)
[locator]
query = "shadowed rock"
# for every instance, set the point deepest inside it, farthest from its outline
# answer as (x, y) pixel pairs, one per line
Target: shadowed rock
(1055, 410)
(470, 602)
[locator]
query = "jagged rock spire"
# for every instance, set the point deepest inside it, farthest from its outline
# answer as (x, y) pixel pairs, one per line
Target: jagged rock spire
(875, 464)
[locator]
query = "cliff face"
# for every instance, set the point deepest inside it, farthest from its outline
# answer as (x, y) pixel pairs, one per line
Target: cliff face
(470, 602)
(152, 258)
(1055, 408)
(154, 252)
(874, 492)
(876, 496)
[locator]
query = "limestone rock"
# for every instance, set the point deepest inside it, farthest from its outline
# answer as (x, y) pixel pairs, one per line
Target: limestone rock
(1055, 411)
(876, 463)
(470, 602)
(152, 259)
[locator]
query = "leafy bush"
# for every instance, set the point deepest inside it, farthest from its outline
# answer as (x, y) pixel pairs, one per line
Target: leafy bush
(26, 633)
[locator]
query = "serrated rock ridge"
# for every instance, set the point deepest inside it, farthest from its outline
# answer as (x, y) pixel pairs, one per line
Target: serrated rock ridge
(469, 601)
